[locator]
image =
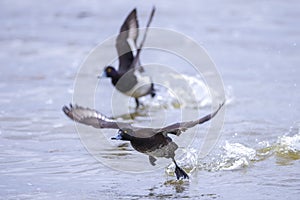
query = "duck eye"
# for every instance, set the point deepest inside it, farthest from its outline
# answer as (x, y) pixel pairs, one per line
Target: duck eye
(125, 131)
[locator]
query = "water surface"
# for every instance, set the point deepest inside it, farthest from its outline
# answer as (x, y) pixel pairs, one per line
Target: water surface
(255, 46)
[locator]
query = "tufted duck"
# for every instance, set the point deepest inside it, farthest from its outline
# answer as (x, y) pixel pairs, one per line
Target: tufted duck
(153, 142)
(128, 79)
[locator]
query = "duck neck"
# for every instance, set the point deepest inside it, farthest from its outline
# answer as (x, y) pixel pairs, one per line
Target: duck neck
(115, 78)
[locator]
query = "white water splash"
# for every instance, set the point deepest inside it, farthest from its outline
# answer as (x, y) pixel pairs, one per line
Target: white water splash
(192, 93)
(188, 161)
(288, 144)
(236, 156)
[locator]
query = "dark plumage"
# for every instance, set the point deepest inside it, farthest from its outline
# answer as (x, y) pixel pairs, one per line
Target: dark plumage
(151, 141)
(128, 78)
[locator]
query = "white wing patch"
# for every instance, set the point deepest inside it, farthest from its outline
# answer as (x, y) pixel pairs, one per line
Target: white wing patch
(143, 86)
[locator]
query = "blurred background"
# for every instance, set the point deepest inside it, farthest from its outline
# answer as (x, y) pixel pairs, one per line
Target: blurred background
(255, 46)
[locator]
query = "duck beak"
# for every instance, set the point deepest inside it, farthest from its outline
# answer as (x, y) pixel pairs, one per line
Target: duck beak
(103, 75)
(118, 137)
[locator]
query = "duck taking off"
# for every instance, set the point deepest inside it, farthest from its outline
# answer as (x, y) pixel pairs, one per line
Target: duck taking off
(153, 142)
(128, 79)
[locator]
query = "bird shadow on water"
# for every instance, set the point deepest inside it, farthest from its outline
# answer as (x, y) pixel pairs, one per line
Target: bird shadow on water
(173, 189)
(179, 186)
(132, 115)
(170, 189)
(144, 112)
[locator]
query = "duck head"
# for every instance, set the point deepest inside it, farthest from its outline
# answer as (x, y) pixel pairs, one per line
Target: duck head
(124, 134)
(109, 71)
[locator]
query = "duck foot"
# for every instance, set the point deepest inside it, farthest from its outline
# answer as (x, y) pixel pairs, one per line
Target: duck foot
(180, 173)
(137, 103)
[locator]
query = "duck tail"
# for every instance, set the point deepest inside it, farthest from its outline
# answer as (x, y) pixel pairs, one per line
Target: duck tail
(180, 173)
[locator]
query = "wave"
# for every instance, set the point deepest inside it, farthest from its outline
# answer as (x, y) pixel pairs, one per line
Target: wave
(236, 156)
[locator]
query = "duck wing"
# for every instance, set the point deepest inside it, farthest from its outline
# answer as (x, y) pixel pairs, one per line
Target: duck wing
(126, 41)
(96, 119)
(136, 61)
(92, 117)
(178, 128)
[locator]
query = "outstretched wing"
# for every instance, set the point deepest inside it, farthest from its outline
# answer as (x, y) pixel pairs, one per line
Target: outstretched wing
(92, 117)
(136, 60)
(180, 127)
(126, 41)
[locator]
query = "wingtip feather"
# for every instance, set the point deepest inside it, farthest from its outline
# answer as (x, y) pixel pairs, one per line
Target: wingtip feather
(68, 110)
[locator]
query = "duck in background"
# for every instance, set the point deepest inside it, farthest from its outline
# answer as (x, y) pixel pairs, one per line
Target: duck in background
(128, 79)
